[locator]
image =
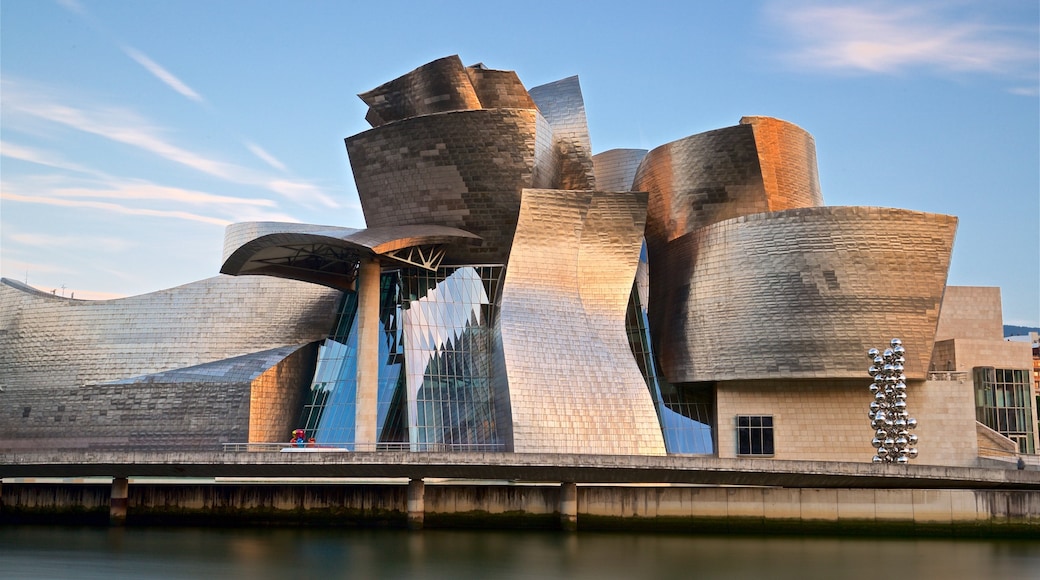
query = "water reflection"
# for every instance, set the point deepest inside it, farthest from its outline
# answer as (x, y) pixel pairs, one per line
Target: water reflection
(55, 552)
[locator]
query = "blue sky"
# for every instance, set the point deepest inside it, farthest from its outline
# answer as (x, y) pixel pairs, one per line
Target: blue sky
(132, 132)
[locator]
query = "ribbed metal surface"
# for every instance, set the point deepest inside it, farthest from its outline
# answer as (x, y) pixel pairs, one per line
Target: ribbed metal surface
(574, 386)
(60, 358)
(616, 169)
(761, 165)
(462, 169)
(799, 294)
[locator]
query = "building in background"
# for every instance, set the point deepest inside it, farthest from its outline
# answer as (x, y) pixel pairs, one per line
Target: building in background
(514, 292)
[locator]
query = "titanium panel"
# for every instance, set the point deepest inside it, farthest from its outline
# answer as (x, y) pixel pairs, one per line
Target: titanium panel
(56, 352)
(435, 87)
(499, 89)
(762, 165)
(462, 170)
(799, 294)
(574, 386)
(616, 169)
(787, 156)
(563, 106)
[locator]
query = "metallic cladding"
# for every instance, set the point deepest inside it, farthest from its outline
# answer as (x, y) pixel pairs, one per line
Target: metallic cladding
(462, 169)
(499, 89)
(787, 157)
(563, 106)
(573, 385)
(435, 87)
(59, 357)
(799, 294)
(616, 169)
(761, 165)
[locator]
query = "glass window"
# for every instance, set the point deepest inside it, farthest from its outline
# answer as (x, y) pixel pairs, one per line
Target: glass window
(754, 435)
(1003, 402)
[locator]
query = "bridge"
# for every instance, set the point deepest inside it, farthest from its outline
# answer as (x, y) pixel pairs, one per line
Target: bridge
(513, 467)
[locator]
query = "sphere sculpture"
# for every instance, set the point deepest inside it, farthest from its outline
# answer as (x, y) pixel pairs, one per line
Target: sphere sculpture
(893, 440)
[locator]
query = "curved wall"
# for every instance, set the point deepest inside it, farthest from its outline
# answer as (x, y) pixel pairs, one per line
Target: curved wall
(563, 106)
(83, 373)
(435, 87)
(759, 166)
(463, 169)
(799, 294)
(573, 385)
(616, 168)
(499, 88)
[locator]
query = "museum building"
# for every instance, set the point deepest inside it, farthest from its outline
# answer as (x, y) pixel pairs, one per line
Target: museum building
(513, 292)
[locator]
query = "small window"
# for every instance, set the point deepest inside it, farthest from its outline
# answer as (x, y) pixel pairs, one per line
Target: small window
(754, 435)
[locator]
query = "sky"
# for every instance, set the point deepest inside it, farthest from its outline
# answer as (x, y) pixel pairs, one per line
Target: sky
(133, 132)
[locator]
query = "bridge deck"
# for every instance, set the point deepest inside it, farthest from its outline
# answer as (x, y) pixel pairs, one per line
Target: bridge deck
(518, 467)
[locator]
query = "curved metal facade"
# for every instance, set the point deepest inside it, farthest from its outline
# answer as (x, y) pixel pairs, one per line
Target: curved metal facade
(462, 169)
(63, 359)
(616, 169)
(563, 106)
(436, 87)
(760, 165)
(501, 297)
(573, 385)
(800, 293)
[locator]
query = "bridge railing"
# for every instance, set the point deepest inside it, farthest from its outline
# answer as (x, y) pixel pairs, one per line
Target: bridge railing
(288, 447)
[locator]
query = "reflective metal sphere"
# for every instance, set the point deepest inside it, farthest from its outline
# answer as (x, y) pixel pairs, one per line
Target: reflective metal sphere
(896, 342)
(911, 423)
(902, 459)
(875, 442)
(912, 452)
(877, 459)
(873, 352)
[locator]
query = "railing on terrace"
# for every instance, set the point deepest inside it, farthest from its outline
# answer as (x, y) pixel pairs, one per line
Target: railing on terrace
(277, 447)
(948, 376)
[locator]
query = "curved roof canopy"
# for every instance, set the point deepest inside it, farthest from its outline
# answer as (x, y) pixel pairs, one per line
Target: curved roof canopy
(331, 257)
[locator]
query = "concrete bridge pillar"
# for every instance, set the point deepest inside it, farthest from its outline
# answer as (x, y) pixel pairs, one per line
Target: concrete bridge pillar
(569, 506)
(416, 503)
(118, 502)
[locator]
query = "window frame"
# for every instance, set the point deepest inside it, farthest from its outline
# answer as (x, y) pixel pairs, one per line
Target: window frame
(759, 433)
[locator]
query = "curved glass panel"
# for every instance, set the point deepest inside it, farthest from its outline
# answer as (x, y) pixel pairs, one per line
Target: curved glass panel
(686, 412)
(435, 374)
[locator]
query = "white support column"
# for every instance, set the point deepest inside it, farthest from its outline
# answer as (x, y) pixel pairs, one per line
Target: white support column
(369, 330)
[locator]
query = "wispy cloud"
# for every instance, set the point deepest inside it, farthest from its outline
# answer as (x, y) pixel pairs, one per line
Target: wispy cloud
(162, 74)
(139, 197)
(103, 243)
(890, 38)
(126, 126)
(264, 156)
(49, 159)
(114, 208)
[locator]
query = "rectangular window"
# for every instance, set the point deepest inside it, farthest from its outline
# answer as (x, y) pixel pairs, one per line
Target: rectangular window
(754, 435)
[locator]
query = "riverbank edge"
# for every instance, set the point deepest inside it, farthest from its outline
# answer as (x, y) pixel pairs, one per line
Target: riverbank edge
(684, 509)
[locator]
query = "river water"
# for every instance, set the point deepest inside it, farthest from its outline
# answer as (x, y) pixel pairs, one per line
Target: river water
(29, 552)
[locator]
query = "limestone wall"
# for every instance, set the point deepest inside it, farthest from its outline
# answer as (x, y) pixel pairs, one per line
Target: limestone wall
(827, 420)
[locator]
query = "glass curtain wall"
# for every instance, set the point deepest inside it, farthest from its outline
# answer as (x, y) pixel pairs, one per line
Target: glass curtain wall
(1003, 402)
(448, 319)
(686, 412)
(435, 364)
